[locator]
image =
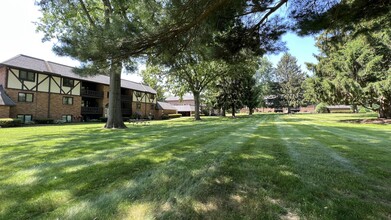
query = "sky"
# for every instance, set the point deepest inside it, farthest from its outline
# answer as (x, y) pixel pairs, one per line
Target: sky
(18, 36)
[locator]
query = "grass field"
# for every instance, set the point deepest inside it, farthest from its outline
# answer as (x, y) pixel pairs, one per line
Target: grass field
(259, 167)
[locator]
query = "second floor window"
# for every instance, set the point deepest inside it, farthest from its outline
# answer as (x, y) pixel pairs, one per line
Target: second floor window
(27, 76)
(67, 100)
(67, 82)
(25, 97)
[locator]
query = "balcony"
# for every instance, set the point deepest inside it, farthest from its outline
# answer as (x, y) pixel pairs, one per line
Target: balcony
(126, 111)
(91, 93)
(91, 111)
(126, 98)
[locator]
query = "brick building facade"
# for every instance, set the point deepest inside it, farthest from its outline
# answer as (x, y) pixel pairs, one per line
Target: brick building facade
(37, 89)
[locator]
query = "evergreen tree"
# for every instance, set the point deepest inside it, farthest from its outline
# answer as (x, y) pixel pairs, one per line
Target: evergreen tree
(290, 78)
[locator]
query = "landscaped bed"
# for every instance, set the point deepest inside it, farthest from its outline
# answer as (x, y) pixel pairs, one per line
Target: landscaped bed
(259, 167)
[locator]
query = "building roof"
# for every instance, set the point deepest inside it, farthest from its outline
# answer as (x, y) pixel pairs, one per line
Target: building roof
(175, 98)
(338, 107)
(165, 106)
(5, 99)
(185, 108)
(39, 65)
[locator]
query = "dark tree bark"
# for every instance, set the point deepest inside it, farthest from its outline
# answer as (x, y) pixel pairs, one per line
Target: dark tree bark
(233, 110)
(197, 105)
(385, 109)
(114, 119)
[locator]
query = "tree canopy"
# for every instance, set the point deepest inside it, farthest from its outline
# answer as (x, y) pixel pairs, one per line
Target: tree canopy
(354, 67)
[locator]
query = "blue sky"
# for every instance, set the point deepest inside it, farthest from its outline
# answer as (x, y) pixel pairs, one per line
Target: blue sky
(18, 36)
(302, 48)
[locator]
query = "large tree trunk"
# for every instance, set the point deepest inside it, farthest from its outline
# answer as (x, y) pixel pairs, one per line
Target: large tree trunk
(114, 118)
(355, 108)
(385, 109)
(233, 110)
(223, 112)
(250, 111)
(197, 105)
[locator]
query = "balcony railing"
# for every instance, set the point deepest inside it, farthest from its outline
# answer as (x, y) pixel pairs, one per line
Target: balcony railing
(91, 93)
(126, 111)
(91, 110)
(126, 98)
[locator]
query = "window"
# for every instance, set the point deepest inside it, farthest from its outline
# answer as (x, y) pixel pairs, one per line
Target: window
(67, 100)
(25, 118)
(25, 97)
(28, 76)
(152, 96)
(138, 94)
(67, 82)
(67, 118)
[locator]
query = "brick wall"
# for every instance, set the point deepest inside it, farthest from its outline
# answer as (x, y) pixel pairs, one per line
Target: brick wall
(58, 109)
(145, 109)
(39, 107)
(105, 89)
(4, 111)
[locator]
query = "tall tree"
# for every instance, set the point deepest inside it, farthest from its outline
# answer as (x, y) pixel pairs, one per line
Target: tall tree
(290, 78)
(152, 76)
(356, 71)
(264, 79)
(238, 86)
(251, 93)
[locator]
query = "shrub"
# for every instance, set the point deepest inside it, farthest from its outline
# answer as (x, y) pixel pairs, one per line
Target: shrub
(94, 120)
(164, 117)
(9, 122)
(135, 115)
(321, 108)
(364, 110)
(44, 121)
(174, 115)
(103, 119)
(205, 112)
(59, 121)
(125, 118)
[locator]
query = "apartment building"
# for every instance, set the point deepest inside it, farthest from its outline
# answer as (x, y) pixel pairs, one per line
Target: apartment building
(32, 88)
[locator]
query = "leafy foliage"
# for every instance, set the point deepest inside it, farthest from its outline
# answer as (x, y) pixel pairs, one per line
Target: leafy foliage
(321, 108)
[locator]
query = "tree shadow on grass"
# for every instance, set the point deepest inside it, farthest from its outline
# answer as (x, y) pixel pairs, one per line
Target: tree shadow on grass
(224, 171)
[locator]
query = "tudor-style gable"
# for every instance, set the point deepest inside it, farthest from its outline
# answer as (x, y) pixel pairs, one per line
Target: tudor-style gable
(29, 80)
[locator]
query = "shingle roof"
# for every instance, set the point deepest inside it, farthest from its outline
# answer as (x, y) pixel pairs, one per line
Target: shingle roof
(185, 108)
(338, 106)
(165, 106)
(4, 98)
(39, 65)
(175, 98)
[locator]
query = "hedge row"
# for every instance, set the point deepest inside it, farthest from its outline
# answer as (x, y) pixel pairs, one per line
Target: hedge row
(9, 122)
(174, 115)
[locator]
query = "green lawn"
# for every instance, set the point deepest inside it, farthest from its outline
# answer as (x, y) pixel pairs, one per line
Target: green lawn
(259, 167)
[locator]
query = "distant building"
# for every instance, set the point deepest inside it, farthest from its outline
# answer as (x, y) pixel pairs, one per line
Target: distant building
(184, 106)
(166, 108)
(339, 108)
